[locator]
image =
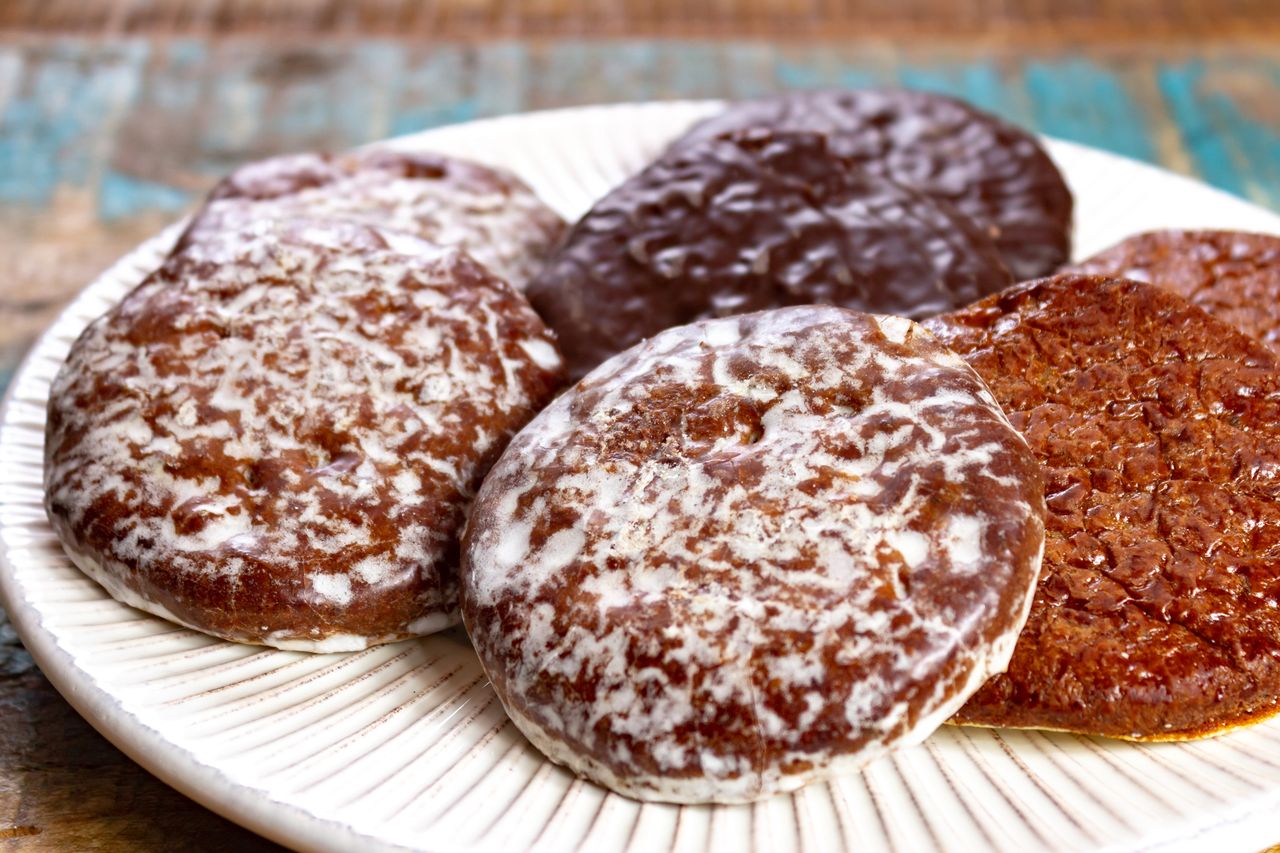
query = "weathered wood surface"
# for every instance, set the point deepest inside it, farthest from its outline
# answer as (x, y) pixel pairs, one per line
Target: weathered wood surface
(1057, 21)
(103, 141)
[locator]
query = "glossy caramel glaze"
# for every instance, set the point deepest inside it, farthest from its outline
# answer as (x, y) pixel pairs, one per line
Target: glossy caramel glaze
(487, 211)
(752, 552)
(990, 170)
(279, 447)
(1158, 427)
(1233, 275)
(757, 221)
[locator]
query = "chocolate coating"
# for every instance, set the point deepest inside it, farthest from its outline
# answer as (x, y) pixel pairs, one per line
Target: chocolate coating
(988, 169)
(1233, 275)
(1159, 430)
(447, 201)
(752, 552)
(756, 221)
(278, 448)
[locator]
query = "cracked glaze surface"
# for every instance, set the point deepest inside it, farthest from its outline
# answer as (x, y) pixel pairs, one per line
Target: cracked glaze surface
(756, 221)
(278, 448)
(1234, 275)
(448, 201)
(752, 552)
(990, 170)
(1159, 430)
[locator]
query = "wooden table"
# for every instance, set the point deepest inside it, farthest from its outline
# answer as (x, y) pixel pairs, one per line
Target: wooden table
(105, 139)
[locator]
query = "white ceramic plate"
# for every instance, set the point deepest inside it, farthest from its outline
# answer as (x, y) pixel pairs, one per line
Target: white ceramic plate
(406, 746)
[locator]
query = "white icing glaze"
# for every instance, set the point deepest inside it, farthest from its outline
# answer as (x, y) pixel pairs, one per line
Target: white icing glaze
(710, 521)
(247, 446)
(482, 209)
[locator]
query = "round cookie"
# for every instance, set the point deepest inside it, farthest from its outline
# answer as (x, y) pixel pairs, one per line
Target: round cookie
(279, 448)
(1158, 427)
(990, 170)
(1234, 275)
(753, 221)
(752, 552)
(485, 210)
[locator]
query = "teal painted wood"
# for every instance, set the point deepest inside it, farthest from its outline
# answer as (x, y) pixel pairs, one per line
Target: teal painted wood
(980, 82)
(134, 131)
(145, 126)
(51, 126)
(426, 94)
(1230, 122)
(80, 113)
(1081, 101)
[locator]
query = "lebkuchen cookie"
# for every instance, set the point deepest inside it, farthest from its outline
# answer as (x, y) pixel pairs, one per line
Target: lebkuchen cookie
(485, 210)
(990, 170)
(1158, 427)
(1234, 275)
(278, 447)
(752, 552)
(752, 221)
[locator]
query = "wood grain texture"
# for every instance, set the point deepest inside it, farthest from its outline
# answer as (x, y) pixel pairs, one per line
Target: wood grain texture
(1068, 20)
(103, 141)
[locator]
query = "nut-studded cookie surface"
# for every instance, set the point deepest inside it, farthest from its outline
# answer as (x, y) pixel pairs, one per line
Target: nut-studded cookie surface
(755, 221)
(1234, 275)
(1159, 430)
(485, 210)
(990, 170)
(278, 448)
(751, 552)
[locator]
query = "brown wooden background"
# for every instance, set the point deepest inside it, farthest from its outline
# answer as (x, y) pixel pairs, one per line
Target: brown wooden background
(1052, 20)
